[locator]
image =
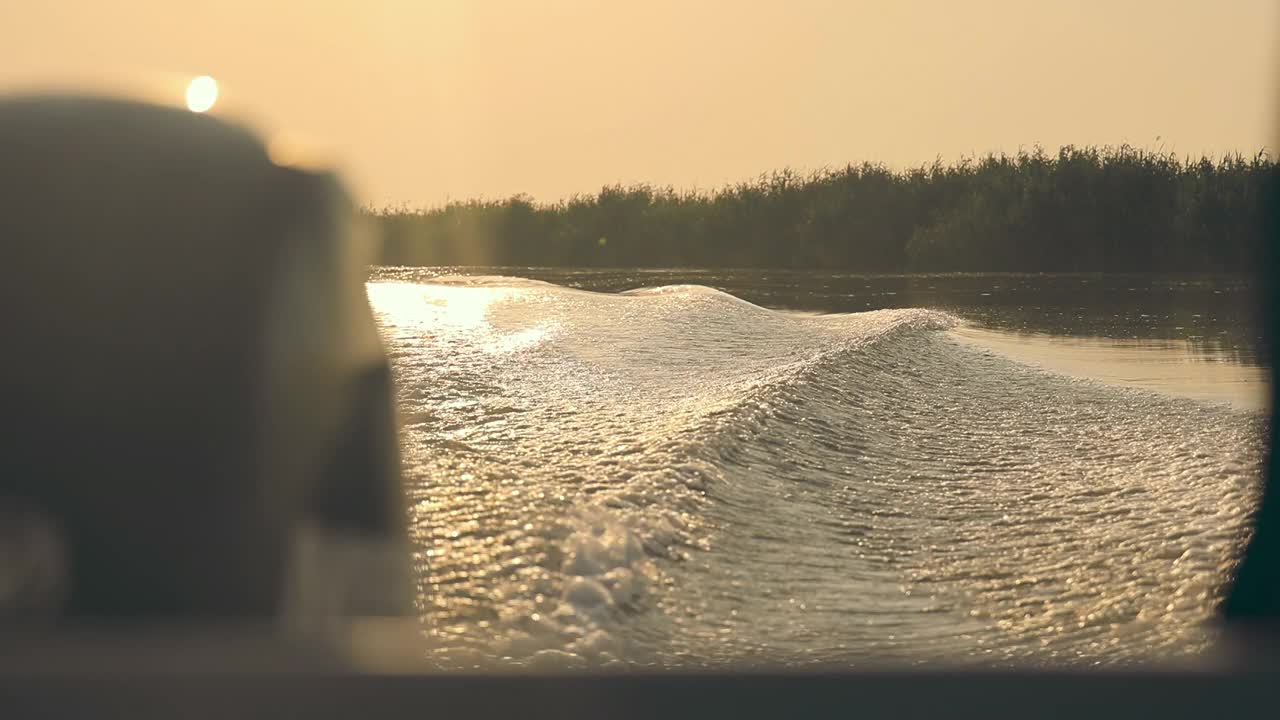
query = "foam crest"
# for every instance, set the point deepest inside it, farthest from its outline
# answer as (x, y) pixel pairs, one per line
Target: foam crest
(673, 473)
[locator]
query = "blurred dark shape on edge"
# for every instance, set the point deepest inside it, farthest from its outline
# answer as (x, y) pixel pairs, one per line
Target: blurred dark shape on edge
(1254, 600)
(196, 407)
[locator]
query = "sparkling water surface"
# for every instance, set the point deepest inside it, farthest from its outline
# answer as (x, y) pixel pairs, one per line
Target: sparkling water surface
(676, 469)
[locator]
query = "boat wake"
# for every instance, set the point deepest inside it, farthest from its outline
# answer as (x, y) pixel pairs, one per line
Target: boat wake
(673, 476)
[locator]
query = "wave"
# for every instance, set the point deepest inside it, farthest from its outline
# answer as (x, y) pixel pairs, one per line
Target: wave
(674, 474)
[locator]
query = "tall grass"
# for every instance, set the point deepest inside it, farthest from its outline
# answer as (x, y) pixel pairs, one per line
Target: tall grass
(1081, 209)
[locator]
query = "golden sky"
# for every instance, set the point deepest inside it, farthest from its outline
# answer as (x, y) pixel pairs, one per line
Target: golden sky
(419, 102)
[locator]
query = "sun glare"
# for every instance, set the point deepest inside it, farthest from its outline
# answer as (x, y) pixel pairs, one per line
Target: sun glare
(202, 93)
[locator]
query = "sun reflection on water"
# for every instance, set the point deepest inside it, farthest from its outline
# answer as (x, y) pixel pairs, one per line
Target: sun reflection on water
(457, 311)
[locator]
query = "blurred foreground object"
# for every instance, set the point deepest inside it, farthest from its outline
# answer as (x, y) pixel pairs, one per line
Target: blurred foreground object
(1254, 601)
(197, 417)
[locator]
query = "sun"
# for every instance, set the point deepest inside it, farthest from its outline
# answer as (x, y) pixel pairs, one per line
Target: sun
(202, 93)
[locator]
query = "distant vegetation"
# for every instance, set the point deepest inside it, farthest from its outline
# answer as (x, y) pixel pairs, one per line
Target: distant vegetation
(1081, 209)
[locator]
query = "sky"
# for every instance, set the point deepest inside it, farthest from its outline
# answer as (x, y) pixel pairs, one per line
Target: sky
(421, 102)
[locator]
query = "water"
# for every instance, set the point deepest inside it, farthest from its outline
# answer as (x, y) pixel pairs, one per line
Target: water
(672, 469)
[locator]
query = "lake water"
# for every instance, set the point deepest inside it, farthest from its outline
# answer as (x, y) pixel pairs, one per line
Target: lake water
(673, 469)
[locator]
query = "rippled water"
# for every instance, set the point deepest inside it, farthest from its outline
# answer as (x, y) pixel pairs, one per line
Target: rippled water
(668, 475)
